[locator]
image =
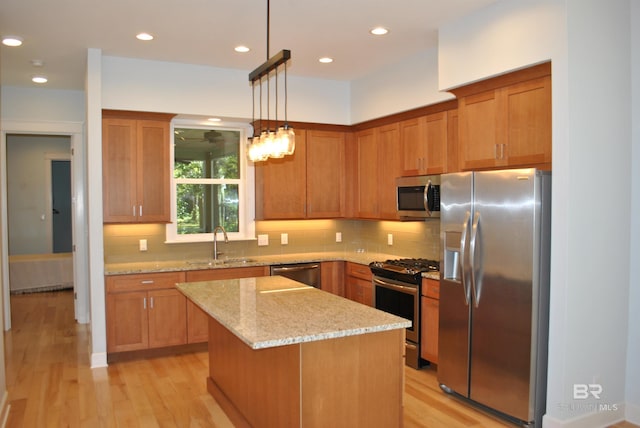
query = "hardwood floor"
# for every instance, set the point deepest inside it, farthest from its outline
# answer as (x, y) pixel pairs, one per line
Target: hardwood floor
(50, 383)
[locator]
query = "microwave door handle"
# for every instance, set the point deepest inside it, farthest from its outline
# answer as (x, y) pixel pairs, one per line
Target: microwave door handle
(425, 198)
(462, 259)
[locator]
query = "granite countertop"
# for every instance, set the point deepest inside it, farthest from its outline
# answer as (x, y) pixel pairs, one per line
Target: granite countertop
(186, 265)
(273, 311)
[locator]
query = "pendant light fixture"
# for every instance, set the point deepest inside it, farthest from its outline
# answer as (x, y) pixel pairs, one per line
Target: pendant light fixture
(277, 141)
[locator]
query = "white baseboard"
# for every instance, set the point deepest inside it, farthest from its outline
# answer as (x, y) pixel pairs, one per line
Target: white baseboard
(98, 359)
(614, 414)
(632, 413)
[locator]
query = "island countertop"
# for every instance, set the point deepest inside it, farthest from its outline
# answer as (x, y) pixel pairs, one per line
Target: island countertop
(272, 311)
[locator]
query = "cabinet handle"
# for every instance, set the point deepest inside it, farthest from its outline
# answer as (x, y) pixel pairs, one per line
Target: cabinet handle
(133, 210)
(147, 281)
(140, 210)
(151, 303)
(144, 302)
(502, 147)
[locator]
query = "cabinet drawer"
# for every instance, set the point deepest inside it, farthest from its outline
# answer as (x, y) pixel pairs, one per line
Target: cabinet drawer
(359, 271)
(147, 281)
(431, 288)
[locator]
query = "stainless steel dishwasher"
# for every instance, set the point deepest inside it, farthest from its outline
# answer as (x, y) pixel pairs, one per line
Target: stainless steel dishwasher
(307, 273)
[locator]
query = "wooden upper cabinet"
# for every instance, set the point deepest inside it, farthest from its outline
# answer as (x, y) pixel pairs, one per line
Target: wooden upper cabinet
(389, 168)
(281, 184)
(506, 121)
(135, 167)
(308, 184)
(423, 144)
(367, 175)
(379, 163)
(325, 174)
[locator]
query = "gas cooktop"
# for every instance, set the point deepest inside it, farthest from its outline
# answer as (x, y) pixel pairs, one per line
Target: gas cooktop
(406, 270)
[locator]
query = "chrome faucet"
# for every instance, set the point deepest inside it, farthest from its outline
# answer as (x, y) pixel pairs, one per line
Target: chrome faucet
(215, 240)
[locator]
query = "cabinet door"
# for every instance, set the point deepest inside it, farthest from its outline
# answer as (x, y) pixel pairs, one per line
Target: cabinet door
(452, 141)
(281, 184)
(389, 168)
(478, 120)
(119, 151)
(332, 277)
(367, 176)
(127, 321)
(359, 290)
(413, 145)
(436, 147)
(167, 318)
(325, 174)
(152, 178)
(429, 329)
(197, 324)
(527, 112)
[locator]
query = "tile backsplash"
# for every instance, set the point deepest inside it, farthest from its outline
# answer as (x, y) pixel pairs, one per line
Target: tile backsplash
(409, 239)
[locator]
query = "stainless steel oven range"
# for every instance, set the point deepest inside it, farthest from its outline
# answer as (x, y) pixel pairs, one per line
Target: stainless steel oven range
(396, 289)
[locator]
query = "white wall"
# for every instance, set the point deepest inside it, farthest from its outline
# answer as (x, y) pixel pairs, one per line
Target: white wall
(27, 193)
(38, 104)
(588, 43)
(503, 37)
(633, 341)
(410, 84)
(143, 85)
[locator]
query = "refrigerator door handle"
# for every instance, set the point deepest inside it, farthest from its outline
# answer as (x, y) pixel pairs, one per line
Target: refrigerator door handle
(476, 277)
(463, 258)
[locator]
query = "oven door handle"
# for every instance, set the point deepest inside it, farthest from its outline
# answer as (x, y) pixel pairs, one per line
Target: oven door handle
(400, 288)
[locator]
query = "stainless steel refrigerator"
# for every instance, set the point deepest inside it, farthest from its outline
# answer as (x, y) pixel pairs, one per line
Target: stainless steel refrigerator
(494, 290)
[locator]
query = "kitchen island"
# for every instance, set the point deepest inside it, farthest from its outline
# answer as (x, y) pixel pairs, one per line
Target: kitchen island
(285, 354)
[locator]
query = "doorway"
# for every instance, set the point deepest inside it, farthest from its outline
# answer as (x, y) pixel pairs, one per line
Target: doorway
(62, 241)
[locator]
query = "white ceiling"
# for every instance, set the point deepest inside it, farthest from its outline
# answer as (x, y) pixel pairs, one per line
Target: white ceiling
(204, 32)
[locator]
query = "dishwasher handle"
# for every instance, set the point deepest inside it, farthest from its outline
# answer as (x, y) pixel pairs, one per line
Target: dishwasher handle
(276, 269)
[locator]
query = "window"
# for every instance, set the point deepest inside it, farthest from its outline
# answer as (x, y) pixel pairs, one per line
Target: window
(212, 184)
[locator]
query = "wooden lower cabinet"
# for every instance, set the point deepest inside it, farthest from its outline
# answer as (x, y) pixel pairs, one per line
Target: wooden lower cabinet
(430, 320)
(332, 277)
(358, 285)
(145, 311)
(197, 319)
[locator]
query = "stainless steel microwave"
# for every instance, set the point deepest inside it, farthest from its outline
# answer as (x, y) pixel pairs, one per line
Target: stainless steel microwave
(418, 197)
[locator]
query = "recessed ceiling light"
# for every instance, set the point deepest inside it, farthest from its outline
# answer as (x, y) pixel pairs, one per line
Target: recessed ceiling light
(325, 60)
(214, 119)
(37, 63)
(39, 79)
(241, 49)
(144, 37)
(12, 41)
(379, 31)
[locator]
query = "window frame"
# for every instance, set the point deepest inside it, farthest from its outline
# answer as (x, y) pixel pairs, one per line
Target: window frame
(246, 185)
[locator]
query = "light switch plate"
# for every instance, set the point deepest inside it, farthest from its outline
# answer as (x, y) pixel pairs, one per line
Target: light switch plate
(263, 240)
(284, 238)
(143, 245)
(389, 238)
(338, 236)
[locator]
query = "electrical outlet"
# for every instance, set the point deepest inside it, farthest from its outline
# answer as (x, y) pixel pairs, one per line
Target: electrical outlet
(263, 240)
(338, 236)
(284, 238)
(142, 245)
(389, 238)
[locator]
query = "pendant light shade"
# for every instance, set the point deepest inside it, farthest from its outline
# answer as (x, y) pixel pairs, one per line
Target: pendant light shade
(273, 141)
